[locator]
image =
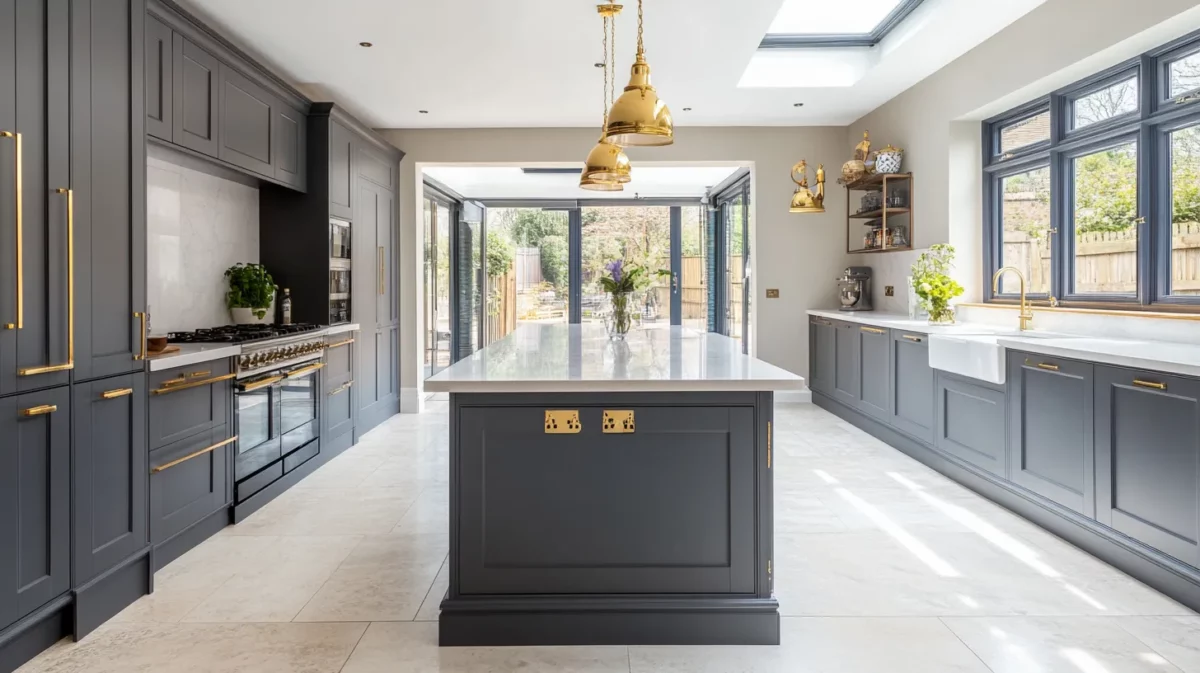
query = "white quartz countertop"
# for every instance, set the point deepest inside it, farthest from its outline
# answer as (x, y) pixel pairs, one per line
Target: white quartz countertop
(1162, 356)
(560, 358)
(193, 354)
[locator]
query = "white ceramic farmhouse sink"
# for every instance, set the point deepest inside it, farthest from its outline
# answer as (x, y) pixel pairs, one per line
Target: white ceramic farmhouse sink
(977, 356)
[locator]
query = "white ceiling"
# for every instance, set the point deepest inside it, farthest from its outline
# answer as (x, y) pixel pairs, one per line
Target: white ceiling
(529, 63)
(497, 182)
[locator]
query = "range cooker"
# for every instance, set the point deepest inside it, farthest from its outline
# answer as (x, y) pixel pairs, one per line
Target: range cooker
(276, 398)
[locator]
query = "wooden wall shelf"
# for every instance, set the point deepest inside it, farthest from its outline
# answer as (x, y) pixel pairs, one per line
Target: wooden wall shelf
(891, 218)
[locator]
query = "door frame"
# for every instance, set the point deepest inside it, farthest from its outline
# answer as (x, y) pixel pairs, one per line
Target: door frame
(453, 206)
(720, 199)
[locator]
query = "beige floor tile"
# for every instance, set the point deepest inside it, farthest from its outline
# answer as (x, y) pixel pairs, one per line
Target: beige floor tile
(204, 648)
(412, 648)
(1177, 639)
(431, 608)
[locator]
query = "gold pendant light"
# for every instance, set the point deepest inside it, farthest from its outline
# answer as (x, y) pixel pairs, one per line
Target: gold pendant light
(606, 168)
(640, 117)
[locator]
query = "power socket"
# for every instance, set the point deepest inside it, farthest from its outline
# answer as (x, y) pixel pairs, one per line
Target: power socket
(889, 291)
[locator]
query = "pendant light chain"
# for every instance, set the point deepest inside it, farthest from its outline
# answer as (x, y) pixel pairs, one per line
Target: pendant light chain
(641, 48)
(611, 59)
(604, 91)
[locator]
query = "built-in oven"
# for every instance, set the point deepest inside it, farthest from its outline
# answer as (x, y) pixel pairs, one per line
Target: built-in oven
(277, 425)
(339, 271)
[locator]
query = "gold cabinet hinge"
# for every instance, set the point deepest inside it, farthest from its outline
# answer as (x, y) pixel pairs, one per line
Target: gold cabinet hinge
(768, 445)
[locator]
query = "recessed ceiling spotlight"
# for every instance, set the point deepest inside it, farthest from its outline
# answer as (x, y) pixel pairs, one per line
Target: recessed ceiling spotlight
(424, 112)
(687, 109)
(797, 104)
(365, 44)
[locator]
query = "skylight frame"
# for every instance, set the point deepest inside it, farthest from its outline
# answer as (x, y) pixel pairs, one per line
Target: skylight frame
(825, 40)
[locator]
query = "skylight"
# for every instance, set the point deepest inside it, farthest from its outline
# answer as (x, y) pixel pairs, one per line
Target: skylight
(861, 23)
(805, 17)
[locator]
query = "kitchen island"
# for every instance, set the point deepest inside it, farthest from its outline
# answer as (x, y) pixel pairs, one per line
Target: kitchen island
(610, 492)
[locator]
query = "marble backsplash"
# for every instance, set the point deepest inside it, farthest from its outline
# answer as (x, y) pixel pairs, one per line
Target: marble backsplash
(198, 225)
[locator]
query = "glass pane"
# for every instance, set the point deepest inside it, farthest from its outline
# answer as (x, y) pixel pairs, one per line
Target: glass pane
(1025, 214)
(299, 402)
(470, 280)
(1106, 103)
(441, 298)
(1185, 211)
(430, 288)
(1028, 131)
(528, 256)
(693, 281)
(637, 235)
(1106, 237)
(735, 269)
(1184, 75)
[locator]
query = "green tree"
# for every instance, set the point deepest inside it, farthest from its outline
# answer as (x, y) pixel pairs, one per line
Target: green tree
(554, 254)
(499, 254)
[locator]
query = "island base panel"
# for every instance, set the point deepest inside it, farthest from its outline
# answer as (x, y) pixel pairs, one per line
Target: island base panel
(646, 520)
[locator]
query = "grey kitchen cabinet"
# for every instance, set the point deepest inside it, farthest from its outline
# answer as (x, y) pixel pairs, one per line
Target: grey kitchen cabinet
(289, 153)
(847, 386)
(159, 57)
(684, 521)
(874, 371)
(110, 477)
(341, 171)
(822, 339)
(366, 256)
(338, 407)
(196, 94)
(108, 181)
(35, 154)
(374, 236)
(189, 480)
(247, 113)
(186, 401)
(35, 500)
(970, 421)
(912, 390)
(387, 311)
(1050, 450)
(1147, 431)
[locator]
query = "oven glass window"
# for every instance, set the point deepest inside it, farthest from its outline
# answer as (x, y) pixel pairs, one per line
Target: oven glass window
(253, 417)
(299, 401)
(339, 239)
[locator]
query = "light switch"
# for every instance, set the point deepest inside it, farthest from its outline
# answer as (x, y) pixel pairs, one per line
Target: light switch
(772, 293)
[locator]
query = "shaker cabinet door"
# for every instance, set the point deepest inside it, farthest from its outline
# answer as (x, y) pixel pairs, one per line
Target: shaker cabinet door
(110, 473)
(1148, 458)
(35, 501)
(875, 371)
(1050, 450)
(971, 422)
(159, 74)
(912, 397)
(247, 113)
(847, 387)
(823, 342)
(196, 93)
(289, 147)
(341, 160)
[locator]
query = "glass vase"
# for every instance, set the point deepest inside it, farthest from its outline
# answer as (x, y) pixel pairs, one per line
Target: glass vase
(941, 314)
(619, 319)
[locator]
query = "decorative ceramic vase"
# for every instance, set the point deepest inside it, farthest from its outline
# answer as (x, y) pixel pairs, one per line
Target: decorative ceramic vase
(619, 319)
(853, 171)
(941, 315)
(245, 316)
(888, 160)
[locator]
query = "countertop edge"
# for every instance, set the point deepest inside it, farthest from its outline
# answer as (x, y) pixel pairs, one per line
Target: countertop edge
(1099, 356)
(174, 360)
(535, 386)
(888, 320)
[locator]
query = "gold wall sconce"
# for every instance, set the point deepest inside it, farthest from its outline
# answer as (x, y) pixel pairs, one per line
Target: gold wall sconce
(804, 201)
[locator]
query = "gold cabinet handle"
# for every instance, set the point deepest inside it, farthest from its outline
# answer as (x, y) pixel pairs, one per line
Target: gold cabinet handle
(341, 389)
(196, 375)
(175, 385)
(70, 363)
(305, 370)
(20, 211)
(141, 315)
(871, 330)
(39, 410)
(201, 452)
(381, 270)
(247, 387)
(114, 394)
(1149, 384)
(913, 338)
(1041, 365)
(339, 344)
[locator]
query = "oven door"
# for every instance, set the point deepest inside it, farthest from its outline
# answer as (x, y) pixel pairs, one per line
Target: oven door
(299, 407)
(258, 423)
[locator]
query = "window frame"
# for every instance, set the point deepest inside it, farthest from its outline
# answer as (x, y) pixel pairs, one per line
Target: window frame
(1149, 127)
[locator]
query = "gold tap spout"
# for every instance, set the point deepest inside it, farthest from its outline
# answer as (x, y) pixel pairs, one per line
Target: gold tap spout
(1026, 312)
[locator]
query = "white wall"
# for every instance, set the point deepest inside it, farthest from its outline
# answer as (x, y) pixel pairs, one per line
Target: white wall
(937, 121)
(198, 225)
(798, 254)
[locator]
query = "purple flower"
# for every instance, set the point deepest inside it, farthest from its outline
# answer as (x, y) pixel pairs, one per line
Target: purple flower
(614, 269)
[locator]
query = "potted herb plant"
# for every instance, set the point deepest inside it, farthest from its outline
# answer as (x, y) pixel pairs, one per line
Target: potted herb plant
(251, 294)
(932, 282)
(622, 282)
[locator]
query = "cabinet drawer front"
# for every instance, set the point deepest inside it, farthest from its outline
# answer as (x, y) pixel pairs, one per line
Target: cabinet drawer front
(188, 491)
(338, 409)
(971, 423)
(339, 358)
(1148, 459)
(182, 404)
(1050, 429)
(564, 513)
